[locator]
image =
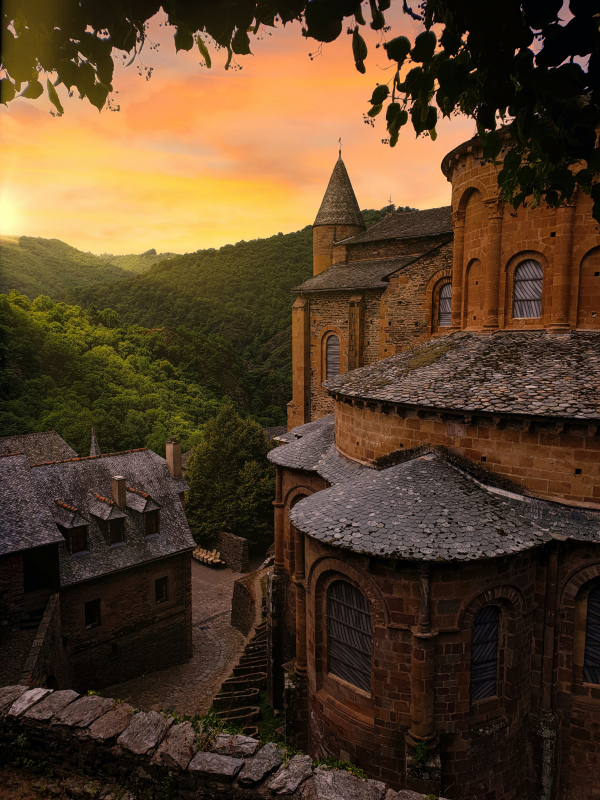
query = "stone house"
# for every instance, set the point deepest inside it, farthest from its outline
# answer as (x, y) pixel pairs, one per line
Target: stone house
(436, 593)
(98, 548)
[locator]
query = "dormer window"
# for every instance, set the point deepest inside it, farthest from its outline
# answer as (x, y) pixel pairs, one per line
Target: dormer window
(116, 531)
(79, 539)
(151, 521)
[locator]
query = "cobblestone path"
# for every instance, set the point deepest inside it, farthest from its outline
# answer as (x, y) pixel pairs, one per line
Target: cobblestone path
(189, 688)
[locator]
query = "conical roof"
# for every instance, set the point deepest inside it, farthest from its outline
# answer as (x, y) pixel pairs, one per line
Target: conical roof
(339, 206)
(94, 446)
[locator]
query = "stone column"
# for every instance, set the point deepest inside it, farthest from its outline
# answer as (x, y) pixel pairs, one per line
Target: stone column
(563, 257)
(495, 210)
(423, 767)
(276, 605)
(301, 667)
(296, 685)
(458, 223)
(298, 407)
(356, 317)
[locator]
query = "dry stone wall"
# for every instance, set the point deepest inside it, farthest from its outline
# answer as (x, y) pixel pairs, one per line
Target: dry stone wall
(233, 550)
(152, 754)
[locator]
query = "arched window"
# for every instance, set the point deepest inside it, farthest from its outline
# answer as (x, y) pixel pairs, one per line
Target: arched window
(445, 312)
(527, 294)
(484, 653)
(349, 635)
(332, 356)
(591, 658)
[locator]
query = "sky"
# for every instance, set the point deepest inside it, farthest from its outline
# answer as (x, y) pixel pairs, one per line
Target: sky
(199, 158)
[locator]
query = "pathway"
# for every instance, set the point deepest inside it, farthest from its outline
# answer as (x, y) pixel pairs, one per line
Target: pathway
(189, 688)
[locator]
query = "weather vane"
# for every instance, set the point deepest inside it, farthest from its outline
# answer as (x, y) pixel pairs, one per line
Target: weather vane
(340, 141)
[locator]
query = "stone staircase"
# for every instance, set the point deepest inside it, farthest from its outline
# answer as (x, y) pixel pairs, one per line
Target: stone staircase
(237, 701)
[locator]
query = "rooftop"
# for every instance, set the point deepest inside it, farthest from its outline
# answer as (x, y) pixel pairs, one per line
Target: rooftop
(26, 520)
(518, 372)
(407, 225)
(427, 510)
(47, 446)
(355, 275)
(79, 492)
(339, 205)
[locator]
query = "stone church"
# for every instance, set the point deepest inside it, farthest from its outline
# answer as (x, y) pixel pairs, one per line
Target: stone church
(435, 607)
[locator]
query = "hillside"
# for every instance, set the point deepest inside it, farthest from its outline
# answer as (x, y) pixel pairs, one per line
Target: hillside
(35, 266)
(137, 263)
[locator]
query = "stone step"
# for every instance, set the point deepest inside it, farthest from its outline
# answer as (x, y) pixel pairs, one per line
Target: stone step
(241, 716)
(251, 659)
(258, 680)
(227, 700)
(251, 730)
(250, 669)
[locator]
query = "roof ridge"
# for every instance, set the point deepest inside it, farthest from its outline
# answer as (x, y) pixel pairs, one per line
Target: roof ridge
(86, 458)
(136, 491)
(103, 499)
(4, 455)
(67, 506)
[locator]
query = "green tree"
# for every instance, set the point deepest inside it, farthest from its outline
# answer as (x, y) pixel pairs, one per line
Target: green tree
(231, 481)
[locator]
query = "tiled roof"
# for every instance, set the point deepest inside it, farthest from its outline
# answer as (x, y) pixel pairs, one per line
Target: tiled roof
(47, 446)
(427, 510)
(78, 483)
(339, 205)
(408, 225)
(271, 433)
(25, 519)
(520, 372)
(311, 447)
(355, 275)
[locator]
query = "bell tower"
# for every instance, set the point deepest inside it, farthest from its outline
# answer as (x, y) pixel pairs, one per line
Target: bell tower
(339, 217)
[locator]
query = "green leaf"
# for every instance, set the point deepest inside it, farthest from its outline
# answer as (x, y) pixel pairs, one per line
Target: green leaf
(433, 134)
(183, 39)
(33, 91)
(397, 49)
(229, 56)
(97, 95)
(424, 46)
(204, 52)
(358, 15)
(375, 110)
(54, 97)
(7, 91)
(379, 94)
(359, 46)
(240, 44)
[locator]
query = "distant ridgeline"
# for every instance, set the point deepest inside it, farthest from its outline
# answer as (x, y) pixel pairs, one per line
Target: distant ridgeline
(217, 323)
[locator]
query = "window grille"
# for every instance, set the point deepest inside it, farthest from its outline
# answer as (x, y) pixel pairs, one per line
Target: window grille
(349, 635)
(116, 531)
(591, 658)
(332, 357)
(445, 314)
(528, 281)
(151, 522)
(484, 653)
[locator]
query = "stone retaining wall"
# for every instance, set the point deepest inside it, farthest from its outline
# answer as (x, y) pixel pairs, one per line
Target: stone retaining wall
(153, 755)
(233, 550)
(48, 661)
(243, 604)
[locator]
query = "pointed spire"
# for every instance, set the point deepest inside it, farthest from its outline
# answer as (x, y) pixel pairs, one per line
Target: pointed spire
(339, 206)
(94, 446)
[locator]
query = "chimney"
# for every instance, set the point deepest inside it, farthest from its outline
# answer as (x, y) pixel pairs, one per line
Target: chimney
(118, 491)
(174, 457)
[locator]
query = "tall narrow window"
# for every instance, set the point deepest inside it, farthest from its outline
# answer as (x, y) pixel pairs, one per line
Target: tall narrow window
(92, 614)
(151, 522)
(445, 313)
(79, 539)
(591, 658)
(349, 635)
(484, 653)
(161, 590)
(116, 531)
(332, 356)
(528, 279)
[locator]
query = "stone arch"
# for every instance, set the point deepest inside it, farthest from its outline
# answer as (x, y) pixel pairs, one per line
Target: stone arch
(292, 497)
(588, 290)
(466, 190)
(325, 333)
(509, 596)
(435, 283)
(543, 257)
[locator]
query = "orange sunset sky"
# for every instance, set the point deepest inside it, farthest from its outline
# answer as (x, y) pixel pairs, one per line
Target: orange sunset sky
(198, 158)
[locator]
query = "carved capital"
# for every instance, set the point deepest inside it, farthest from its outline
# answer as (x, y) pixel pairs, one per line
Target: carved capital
(458, 219)
(494, 207)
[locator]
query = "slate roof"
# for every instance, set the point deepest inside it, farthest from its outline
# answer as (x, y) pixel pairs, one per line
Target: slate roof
(339, 205)
(272, 433)
(427, 510)
(407, 225)
(311, 447)
(47, 446)
(516, 372)
(370, 274)
(80, 483)
(25, 520)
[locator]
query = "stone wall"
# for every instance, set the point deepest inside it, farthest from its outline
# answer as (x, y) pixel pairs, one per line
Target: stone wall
(243, 604)
(136, 635)
(153, 756)
(389, 248)
(233, 550)
(534, 456)
(11, 584)
(48, 661)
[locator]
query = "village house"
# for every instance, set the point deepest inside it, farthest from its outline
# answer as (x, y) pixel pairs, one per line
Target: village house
(95, 562)
(435, 605)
